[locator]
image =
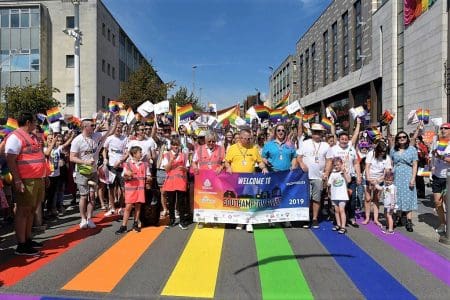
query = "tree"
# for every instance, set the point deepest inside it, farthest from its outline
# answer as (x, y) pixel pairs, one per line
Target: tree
(31, 98)
(181, 98)
(144, 84)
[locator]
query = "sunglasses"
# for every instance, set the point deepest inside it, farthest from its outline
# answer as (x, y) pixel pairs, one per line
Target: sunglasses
(444, 128)
(140, 129)
(402, 137)
(148, 128)
(281, 130)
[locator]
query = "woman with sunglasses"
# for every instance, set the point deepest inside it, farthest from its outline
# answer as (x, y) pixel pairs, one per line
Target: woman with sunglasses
(404, 157)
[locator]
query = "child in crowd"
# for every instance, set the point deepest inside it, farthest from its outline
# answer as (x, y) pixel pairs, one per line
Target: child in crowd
(338, 180)
(137, 176)
(389, 196)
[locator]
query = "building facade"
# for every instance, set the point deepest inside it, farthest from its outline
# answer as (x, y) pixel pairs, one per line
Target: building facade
(35, 48)
(283, 80)
(359, 52)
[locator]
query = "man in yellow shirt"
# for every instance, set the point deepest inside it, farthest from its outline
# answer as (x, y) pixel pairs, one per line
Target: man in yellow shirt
(242, 157)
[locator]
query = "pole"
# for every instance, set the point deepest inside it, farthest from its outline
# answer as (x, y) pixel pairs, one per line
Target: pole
(193, 79)
(77, 101)
(445, 239)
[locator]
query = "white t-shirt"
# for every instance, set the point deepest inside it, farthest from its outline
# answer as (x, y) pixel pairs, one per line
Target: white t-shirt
(440, 166)
(348, 156)
(311, 150)
(13, 145)
(86, 147)
(389, 196)
(55, 157)
(377, 166)
(146, 145)
(338, 186)
(116, 146)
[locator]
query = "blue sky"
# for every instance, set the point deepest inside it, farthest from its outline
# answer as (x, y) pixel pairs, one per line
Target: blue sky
(232, 42)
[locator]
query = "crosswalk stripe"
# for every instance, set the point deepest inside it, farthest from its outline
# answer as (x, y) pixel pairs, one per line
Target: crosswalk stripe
(196, 272)
(367, 275)
(427, 259)
(279, 270)
(106, 271)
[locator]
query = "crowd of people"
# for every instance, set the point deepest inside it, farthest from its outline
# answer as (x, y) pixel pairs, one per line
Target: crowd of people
(120, 167)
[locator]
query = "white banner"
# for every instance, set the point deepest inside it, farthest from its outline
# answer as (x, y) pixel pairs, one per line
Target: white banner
(161, 107)
(293, 107)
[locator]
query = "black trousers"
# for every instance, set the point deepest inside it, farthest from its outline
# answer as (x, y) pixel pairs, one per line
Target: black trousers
(183, 206)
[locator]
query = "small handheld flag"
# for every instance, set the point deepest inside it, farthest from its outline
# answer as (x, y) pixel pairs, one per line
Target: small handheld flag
(115, 106)
(53, 114)
(386, 118)
(326, 123)
(442, 145)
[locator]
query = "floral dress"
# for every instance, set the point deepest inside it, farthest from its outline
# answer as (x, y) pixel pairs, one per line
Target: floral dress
(403, 162)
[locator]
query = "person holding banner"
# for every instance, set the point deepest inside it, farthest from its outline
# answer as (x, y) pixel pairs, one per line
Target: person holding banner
(312, 159)
(176, 164)
(242, 157)
(278, 155)
(209, 156)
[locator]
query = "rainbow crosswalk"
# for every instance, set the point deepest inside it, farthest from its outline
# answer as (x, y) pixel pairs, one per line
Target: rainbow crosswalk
(224, 263)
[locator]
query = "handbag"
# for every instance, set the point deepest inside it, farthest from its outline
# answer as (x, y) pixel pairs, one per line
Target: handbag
(85, 170)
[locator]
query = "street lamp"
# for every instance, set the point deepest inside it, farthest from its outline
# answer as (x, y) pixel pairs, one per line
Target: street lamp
(76, 34)
(193, 79)
(258, 96)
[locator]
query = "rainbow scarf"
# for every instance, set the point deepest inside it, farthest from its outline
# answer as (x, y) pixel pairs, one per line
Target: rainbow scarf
(115, 106)
(307, 118)
(53, 114)
(185, 112)
(284, 101)
(442, 145)
(326, 123)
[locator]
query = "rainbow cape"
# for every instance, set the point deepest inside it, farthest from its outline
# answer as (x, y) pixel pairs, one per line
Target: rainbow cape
(185, 112)
(326, 123)
(115, 106)
(284, 101)
(54, 114)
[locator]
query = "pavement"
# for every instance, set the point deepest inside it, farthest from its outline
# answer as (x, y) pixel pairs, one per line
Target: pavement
(223, 263)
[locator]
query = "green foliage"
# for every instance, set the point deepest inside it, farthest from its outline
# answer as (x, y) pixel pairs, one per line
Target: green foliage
(181, 98)
(31, 98)
(142, 85)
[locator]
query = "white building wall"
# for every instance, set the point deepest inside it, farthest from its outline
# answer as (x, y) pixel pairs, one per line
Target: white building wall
(425, 55)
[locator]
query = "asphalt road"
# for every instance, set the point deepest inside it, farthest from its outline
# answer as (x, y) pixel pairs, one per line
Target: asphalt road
(224, 263)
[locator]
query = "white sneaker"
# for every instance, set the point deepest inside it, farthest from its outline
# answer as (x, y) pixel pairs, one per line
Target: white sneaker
(239, 227)
(249, 228)
(83, 224)
(120, 212)
(90, 223)
(109, 213)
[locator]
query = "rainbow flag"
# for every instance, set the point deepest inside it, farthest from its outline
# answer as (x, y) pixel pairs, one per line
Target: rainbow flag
(373, 133)
(307, 118)
(326, 123)
(442, 145)
(74, 121)
(262, 111)
(331, 113)
(185, 112)
(123, 115)
(276, 115)
(10, 126)
(46, 129)
(54, 114)
(298, 117)
(284, 101)
(115, 106)
(386, 118)
(426, 116)
(230, 114)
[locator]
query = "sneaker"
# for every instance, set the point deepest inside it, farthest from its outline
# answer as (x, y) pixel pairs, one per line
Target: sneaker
(272, 225)
(122, 229)
(90, 223)
(441, 228)
(83, 224)
(61, 211)
(23, 249)
(385, 231)
(249, 228)
(305, 225)
(183, 226)
(200, 225)
(287, 224)
(239, 227)
(120, 212)
(109, 213)
(171, 224)
(34, 244)
(315, 224)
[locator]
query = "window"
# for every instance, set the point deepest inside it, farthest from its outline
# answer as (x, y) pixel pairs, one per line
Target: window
(15, 18)
(335, 50)
(301, 75)
(34, 60)
(314, 64)
(103, 101)
(70, 61)
(70, 22)
(109, 35)
(103, 29)
(345, 43)
(109, 69)
(325, 58)
(70, 99)
(103, 65)
(113, 39)
(307, 72)
(34, 16)
(358, 34)
(24, 18)
(114, 73)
